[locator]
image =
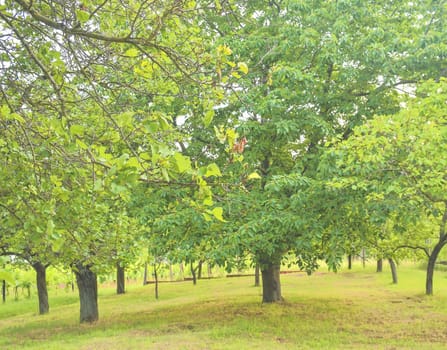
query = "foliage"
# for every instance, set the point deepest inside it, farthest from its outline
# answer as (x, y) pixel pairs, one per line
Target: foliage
(397, 162)
(316, 70)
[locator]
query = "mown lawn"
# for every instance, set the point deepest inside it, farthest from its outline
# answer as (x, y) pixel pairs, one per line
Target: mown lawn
(348, 310)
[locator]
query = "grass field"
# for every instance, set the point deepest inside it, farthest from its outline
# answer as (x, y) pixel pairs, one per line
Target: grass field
(348, 310)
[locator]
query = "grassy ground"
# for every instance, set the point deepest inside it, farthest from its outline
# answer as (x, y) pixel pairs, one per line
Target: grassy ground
(349, 310)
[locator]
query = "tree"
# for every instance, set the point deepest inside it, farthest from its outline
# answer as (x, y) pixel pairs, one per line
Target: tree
(90, 91)
(25, 204)
(398, 162)
(315, 70)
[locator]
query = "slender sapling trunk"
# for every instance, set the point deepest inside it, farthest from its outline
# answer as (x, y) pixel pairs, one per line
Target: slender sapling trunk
(4, 291)
(156, 281)
(120, 279)
(193, 272)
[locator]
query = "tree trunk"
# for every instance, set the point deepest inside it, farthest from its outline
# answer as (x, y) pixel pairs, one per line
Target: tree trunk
(156, 281)
(364, 257)
(393, 270)
(257, 279)
(379, 265)
(431, 266)
(88, 293)
(193, 272)
(120, 279)
(42, 292)
(145, 274)
(349, 262)
(199, 270)
(271, 284)
(4, 291)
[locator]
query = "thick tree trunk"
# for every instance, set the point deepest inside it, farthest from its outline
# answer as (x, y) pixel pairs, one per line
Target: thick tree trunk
(42, 292)
(271, 284)
(349, 262)
(120, 279)
(379, 265)
(88, 294)
(393, 270)
(431, 266)
(257, 277)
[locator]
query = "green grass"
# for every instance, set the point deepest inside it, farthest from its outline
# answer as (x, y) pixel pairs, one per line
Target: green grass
(350, 310)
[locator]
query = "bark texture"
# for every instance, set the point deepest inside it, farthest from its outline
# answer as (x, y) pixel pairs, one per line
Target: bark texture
(120, 279)
(42, 292)
(257, 276)
(193, 273)
(379, 265)
(434, 255)
(145, 274)
(393, 270)
(156, 281)
(4, 291)
(271, 284)
(88, 294)
(431, 267)
(199, 270)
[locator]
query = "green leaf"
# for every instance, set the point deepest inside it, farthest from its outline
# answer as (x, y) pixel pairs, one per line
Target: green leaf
(243, 67)
(77, 130)
(83, 16)
(7, 276)
(208, 117)
(224, 49)
(208, 201)
(117, 189)
(58, 243)
(81, 144)
(132, 52)
(213, 170)
(183, 163)
(98, 186)
(165, 174)
(254, 175)
(207, 217)
(55, 180)
(218, 214)
(18, 117)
